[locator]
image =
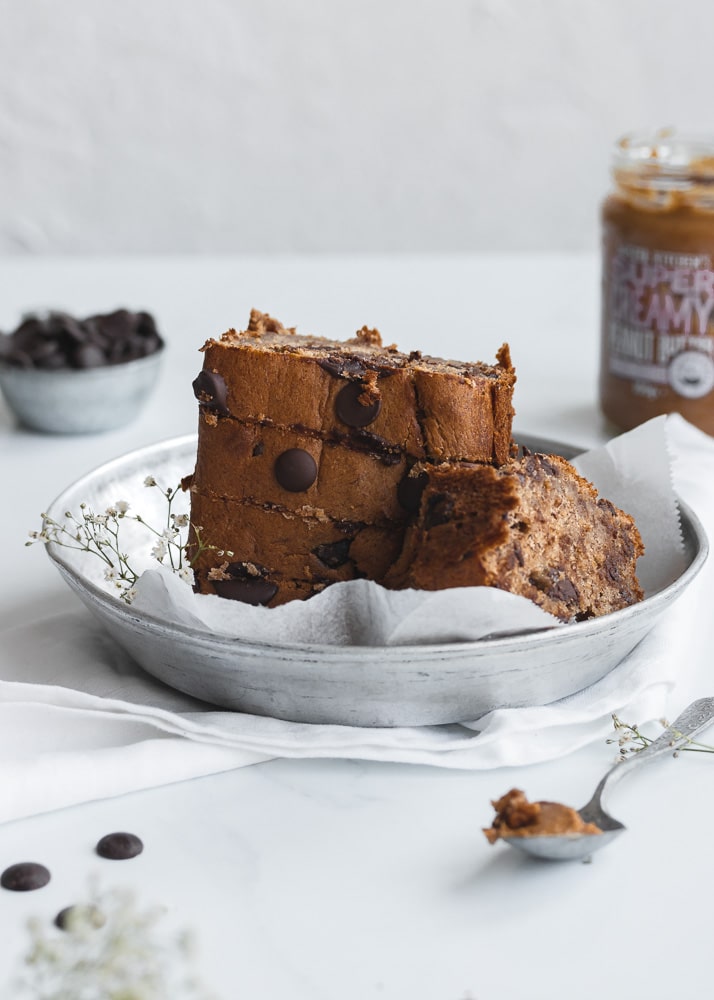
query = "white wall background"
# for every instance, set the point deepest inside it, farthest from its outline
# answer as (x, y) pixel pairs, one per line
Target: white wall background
(331, 125)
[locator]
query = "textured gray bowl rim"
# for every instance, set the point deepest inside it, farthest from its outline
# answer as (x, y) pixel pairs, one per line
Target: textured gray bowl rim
(691, 526)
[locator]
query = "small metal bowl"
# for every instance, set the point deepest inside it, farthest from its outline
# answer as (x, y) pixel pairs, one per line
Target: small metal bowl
(80, 401)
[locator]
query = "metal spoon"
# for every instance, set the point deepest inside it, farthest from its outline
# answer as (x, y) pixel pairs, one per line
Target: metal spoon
(575, 847)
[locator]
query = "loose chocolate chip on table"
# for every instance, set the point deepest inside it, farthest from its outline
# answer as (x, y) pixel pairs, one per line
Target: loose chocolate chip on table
(119, 846)
(351, 409)
(210, 388)
(295, 470)
(409, 491)
(256, 591)
(84, 916)
(24, 877)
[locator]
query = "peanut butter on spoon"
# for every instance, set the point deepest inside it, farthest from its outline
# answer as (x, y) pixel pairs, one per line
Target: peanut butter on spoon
(517, 817)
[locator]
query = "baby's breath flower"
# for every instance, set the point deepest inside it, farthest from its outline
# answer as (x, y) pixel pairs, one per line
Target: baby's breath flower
(160, 549)
(99, 534)
(108, 947)
(630, 740)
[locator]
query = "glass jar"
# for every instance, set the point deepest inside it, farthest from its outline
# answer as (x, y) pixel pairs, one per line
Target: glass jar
(658, 282)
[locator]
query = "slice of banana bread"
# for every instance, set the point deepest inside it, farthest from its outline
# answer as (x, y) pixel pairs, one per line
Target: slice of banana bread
(305, 447)
(533, 527)
(366, 397)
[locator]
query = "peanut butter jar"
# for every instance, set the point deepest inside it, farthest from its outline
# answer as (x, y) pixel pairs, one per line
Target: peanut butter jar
(658, 281)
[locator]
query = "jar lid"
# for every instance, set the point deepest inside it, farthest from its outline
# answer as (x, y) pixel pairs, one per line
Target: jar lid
(664, 160)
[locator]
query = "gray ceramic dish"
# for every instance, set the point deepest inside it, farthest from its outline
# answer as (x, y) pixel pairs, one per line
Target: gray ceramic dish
(80, 401)
(356, 685)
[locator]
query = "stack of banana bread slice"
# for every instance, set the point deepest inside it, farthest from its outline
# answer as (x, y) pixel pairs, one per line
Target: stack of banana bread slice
(305, 450)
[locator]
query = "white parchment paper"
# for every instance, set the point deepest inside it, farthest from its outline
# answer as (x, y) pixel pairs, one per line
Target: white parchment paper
(633, 471)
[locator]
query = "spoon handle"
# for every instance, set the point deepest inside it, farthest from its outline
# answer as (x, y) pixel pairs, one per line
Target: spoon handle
(694, 718)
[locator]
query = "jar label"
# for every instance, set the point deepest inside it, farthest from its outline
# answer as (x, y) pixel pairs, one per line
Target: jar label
(660, 321)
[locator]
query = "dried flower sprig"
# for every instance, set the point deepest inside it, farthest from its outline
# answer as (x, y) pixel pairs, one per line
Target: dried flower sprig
(109, 948)
(631, 740)
(100, 535)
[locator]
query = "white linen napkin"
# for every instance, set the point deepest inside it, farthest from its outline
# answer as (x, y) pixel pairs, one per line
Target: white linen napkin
(79, 720)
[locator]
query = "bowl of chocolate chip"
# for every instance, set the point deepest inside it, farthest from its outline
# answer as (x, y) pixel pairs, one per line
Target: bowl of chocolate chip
(64, 375)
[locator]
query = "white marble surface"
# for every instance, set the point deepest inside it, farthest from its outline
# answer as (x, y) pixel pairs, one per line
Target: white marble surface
(311, 880)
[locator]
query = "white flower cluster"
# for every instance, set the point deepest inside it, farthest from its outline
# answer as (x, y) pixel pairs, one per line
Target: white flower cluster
(108, 949)
(99, 534)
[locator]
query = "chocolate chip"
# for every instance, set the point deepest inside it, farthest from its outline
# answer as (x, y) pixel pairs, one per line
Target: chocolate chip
(409, 491)
(612, 569)
(58, 340)
(341, 366)
(211, 390)
(565, 590)
(24, 877)
(79, 916)
(255, 591)
(584, 616)
(548, 465)
(119, 846)
(44, 350)
(89, 356)
(374, 445)
(118, 325)
(248, 583)
(543, 580)
(440, 509)
(30, 333)
(258, 449)
(295, 470)
(333, 554)
(351, 408)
